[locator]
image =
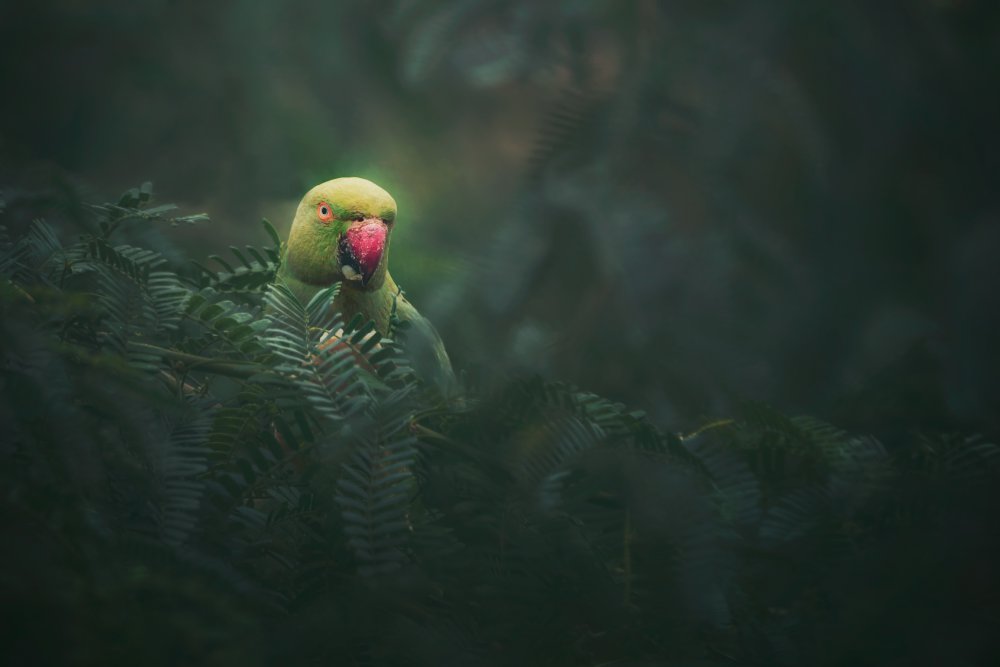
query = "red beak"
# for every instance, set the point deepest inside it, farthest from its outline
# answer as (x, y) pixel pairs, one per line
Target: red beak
(364, 243)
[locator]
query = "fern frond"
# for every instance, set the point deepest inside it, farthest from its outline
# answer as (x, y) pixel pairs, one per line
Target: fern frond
(134, 205)
(252, 269)
(42, 240)
(178, 464)
(312, 355)
(169, 298)
(12, 258)
(126, 310)
(374, 494)
(25, 259)
(956, 460)
(237, 426)
(795, 515)
(571, 112)
(224, 321)
(737, 488)
(549, 447)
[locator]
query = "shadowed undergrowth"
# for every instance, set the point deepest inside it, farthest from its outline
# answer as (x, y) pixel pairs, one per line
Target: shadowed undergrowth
(195, 472)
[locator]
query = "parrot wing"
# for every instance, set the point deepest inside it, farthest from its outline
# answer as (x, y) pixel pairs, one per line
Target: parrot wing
(425, 349)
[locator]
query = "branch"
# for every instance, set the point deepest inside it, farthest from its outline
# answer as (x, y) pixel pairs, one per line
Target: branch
(236, 369)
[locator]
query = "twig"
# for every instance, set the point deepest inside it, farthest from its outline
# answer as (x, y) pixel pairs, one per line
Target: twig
(719, 423)
(236, 369)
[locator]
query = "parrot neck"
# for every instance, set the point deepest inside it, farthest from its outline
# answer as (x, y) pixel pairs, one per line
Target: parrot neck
(373, 305)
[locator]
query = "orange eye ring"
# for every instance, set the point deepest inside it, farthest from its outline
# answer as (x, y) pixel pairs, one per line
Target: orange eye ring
(324, 212)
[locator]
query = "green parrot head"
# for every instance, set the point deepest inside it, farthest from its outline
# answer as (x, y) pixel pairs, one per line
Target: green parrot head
(341, 232)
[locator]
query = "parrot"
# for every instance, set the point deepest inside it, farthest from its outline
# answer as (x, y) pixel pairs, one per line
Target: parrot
(341, 232)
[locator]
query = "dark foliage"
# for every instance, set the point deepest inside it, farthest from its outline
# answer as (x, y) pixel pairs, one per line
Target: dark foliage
(198, 469)
(785, 201)
(678, 205)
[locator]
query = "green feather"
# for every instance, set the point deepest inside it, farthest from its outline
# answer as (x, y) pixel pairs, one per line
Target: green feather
(310, 262)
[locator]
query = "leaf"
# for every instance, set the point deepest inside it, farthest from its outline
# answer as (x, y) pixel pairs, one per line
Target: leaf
(271, 232)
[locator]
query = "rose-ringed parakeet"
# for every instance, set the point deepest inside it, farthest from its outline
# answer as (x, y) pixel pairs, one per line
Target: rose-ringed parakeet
(341, 233)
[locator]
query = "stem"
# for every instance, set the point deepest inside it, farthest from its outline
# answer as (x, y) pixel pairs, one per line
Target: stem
(627, 556)
(236, 369)
(461, 447)
(718, 423)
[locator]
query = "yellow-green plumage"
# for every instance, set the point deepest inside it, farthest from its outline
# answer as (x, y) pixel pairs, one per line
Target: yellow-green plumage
(317, 250)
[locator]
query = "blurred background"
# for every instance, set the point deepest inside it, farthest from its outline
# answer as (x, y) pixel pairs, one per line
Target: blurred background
(676, 204)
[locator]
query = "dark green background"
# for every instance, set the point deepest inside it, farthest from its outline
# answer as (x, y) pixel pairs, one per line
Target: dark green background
(675, 203)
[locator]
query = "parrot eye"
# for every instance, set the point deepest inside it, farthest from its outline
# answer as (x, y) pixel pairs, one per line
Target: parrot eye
(324, 212)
